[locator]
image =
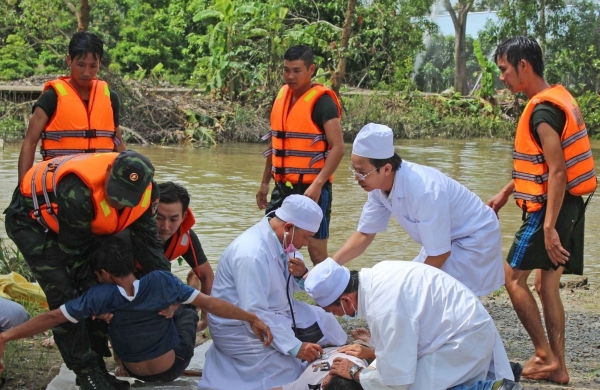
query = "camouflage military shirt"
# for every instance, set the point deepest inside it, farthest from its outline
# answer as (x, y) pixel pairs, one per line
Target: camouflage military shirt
(75, 214)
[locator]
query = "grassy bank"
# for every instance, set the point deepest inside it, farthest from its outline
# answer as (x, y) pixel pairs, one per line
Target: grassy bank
(191, 119)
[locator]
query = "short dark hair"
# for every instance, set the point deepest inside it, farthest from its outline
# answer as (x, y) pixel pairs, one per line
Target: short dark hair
(110, 253)
(300, 52)
(350, 288)
(395, 161)
(82, 43)
(522, 48)
(338, 383)
(173, 193)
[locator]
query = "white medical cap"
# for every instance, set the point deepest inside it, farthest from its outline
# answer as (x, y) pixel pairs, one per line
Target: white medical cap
(374, 141)
(302, 211)
(327, 282)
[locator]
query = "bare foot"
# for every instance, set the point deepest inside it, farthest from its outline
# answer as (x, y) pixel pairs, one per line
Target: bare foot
(192, 280)
(559, 376)
(361, 334)
(538, 368)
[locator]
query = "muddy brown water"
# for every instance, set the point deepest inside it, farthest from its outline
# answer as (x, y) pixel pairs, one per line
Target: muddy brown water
(223, 181)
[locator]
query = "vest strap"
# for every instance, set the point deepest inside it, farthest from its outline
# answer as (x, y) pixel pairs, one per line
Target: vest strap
(530, 198)
(67, 152)
(57, 135)
(574, 138)
(539, 179)
(580, 157)
(301, 171)
(533, 158)
(580, 179)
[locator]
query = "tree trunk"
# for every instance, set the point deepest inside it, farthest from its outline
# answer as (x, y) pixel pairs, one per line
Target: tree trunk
(340, 71)
(82, 15)
(542, 36)
(459, 19)
(83, 18)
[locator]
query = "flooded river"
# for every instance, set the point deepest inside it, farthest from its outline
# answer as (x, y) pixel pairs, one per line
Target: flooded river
(223, 181)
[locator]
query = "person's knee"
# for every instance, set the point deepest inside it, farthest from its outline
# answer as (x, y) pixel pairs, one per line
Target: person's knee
(12, 315)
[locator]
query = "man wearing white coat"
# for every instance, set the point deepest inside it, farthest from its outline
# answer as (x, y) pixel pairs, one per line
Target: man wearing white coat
(429, 331)
(459, 234)
(254, 274)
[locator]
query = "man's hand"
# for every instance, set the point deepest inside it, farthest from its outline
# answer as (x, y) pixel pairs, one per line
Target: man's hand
(169, 311)
(358, 350)
(314, 191)
(297, 267)
(106, 317)
(202, 324)
(261, 196)
(309, 352)
(341, 367)
(558, 255)
(497, 201)
(261, 330)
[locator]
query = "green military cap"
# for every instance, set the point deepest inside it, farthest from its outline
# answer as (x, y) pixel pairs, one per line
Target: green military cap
(131, 173)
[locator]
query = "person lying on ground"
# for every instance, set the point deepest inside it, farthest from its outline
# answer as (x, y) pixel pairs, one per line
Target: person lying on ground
(152, 347)
(438, 337)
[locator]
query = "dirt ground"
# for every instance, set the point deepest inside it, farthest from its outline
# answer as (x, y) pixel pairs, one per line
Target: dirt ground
(31, 366)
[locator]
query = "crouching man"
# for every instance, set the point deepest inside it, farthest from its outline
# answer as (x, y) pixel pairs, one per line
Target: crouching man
(429, 330)
(153, 344)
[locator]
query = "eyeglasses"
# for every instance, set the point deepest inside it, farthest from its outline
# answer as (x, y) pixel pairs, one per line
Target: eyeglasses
(360, 176)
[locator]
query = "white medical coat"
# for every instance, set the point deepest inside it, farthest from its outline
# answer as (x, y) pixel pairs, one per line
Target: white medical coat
(429, 331)
(442, 215)
(252, 274)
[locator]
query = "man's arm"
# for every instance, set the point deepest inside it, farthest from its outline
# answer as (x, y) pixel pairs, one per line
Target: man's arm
(75, 215)
(437, 261)
(335, 139)
(38, 121)
(354, 247)
(121, 146)
(225, 309)
(261, 195)
(500, 199)
(557, 183)
(32, 327)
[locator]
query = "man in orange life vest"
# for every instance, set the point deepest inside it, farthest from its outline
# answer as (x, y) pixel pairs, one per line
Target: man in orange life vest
(55, 213)
(306, 143)
(553, 168)
(77, 113)
(174, 220)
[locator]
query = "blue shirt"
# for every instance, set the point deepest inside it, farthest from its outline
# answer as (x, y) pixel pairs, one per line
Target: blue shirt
(137, 331)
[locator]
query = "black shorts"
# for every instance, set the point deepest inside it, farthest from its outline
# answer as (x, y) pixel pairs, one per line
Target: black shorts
(280, 192)
(528, 251)
(185, 322)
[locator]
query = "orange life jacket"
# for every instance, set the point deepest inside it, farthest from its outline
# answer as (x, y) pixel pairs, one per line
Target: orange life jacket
(181, 241)
(77, 128)
(530, 171)
(45, 176)
(298, 147)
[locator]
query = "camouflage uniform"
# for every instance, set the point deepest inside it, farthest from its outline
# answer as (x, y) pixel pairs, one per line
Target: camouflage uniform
(59, 261)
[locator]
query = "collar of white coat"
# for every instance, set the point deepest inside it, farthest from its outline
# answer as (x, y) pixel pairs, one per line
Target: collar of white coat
(136, 288)
(365, 277)
(275, 248)
(397, 190)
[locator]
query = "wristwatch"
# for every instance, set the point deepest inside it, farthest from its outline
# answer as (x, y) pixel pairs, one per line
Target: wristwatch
(354, 370)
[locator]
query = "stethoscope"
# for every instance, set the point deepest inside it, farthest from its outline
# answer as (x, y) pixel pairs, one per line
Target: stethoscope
(287, 289)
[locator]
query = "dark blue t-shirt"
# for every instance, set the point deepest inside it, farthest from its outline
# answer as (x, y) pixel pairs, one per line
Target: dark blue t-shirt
(137, 331)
